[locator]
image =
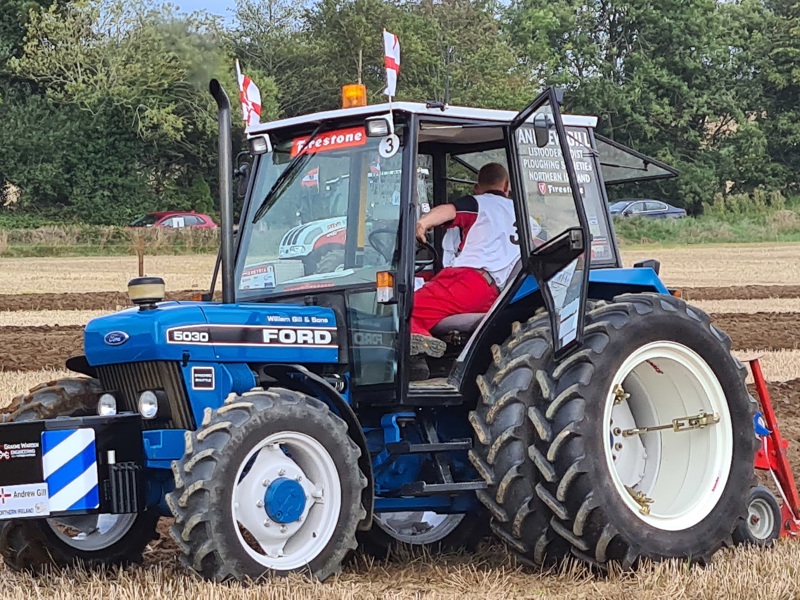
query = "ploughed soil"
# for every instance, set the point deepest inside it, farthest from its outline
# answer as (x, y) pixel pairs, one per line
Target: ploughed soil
(76, 300)
(34, 348)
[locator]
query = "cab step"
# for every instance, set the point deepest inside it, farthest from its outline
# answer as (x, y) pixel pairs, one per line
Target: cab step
(422, 488)
(406, 447)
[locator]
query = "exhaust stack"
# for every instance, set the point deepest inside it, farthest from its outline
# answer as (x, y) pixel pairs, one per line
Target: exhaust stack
(225, 188)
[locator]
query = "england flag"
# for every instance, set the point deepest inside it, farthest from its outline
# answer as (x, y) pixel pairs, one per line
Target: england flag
(250, 97)
(391, 47)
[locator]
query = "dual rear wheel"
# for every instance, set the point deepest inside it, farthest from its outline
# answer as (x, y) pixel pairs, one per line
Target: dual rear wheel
(640, 444)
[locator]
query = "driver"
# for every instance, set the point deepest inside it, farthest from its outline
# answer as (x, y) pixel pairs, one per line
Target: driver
(487, 253)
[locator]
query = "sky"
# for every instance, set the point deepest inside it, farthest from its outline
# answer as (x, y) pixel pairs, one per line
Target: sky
(221, 8)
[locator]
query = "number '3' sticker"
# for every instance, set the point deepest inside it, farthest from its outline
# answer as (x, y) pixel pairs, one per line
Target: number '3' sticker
(389, 146)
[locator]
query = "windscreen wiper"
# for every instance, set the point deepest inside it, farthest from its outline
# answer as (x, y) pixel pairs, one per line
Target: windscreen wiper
(286, 176)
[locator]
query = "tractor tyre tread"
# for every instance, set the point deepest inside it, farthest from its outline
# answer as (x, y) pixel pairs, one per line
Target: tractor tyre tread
(567, 467)
(506, 424)
(203, 532)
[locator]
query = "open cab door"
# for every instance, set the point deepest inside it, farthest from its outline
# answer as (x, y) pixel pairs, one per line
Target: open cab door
(551, 221)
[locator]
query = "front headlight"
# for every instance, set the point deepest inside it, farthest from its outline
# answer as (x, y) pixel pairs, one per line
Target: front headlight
(294, 250)
(107, 405)
(148, 405)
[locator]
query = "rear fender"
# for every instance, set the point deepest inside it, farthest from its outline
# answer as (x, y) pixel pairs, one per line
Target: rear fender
(522, 302)
(300, 379)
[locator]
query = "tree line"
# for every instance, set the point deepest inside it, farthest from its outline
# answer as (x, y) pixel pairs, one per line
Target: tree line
(105, 113)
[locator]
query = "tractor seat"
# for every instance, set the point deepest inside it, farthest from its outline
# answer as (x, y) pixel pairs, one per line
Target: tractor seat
(464, 323)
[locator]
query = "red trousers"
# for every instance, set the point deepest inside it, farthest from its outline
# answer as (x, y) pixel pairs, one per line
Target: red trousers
(453, 291)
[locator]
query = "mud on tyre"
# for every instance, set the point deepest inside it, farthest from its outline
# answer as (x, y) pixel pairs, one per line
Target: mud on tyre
(269, 484)
(618, 494)
(94, 540)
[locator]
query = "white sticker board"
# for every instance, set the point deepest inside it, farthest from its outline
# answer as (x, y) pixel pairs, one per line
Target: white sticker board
(29, 500)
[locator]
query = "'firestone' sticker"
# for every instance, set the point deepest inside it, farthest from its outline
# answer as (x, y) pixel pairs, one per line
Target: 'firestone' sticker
(330, 140)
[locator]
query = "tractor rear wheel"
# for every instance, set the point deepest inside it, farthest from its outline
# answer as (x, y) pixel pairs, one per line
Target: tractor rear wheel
(647, 446)
(95, 540)
(269, 484)
(506, 420)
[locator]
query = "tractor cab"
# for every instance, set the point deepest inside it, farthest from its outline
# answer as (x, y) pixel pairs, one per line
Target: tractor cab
(330, 220)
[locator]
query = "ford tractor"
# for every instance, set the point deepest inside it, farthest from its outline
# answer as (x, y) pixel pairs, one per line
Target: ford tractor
(590, 413)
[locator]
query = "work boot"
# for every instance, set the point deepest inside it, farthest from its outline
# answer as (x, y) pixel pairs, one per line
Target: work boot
(419, 370)
(425, 344)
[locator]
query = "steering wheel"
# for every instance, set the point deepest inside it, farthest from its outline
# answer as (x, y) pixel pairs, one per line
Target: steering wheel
(385, 250)
(423, 264)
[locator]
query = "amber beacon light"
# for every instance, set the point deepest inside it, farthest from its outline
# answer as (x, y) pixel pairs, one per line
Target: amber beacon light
(354, 95)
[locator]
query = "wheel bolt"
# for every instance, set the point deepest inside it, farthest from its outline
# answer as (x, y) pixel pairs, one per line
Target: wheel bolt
(617, 431)
(283, 528)
(299, 478)
(265, 483)
(617, 446)
(267, 523)
(260, 504)
(282, 472)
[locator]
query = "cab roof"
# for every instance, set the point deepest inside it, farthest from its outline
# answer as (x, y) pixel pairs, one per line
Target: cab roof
(456, 112)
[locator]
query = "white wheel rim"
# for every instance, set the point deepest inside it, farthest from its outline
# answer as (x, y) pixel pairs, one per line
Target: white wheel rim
(288, 546)
(683, 473)
(418, 528)
(92, 533)
(760, 520)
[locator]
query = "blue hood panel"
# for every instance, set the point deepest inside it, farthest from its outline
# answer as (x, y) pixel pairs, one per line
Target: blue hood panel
(208, 332)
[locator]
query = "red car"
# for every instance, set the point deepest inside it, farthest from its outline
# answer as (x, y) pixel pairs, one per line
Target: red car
(175, 220)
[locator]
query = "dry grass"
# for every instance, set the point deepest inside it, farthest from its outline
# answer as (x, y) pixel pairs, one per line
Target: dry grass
(55, 275)
(783, 305)
(29, 318)
(718, 265)
(778, 365)
(724, 265)
(741, 573)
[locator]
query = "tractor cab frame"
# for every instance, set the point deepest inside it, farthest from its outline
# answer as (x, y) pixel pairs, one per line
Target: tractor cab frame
(330, 215)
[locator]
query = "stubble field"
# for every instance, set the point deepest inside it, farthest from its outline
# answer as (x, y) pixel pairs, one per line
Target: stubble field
(752, 293)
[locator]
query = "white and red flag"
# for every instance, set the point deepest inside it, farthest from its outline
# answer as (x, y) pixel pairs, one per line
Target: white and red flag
(311, 179)
(391, 47)
(250, 97)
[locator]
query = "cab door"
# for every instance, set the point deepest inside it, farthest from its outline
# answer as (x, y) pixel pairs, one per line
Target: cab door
(547, 193)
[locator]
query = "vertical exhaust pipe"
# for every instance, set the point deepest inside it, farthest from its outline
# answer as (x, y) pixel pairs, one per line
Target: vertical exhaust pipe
(225, 188)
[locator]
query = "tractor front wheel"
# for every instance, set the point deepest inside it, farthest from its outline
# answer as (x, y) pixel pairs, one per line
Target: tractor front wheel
(269, 484)
(647, 445)
(95, 540)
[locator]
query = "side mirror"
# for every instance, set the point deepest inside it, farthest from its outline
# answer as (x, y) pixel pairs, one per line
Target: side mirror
(627, 213)
(541, 130)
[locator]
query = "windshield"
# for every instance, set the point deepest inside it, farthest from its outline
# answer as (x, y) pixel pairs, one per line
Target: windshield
(144, 221)
(617, 206)
(333, 222)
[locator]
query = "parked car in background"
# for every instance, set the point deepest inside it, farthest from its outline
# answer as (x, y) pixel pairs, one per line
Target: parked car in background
(655, 209)
(175, 220)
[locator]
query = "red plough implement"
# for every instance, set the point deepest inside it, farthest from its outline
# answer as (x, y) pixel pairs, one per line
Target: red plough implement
(772, 457)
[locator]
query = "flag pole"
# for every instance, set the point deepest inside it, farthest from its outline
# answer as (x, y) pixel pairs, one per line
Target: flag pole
(391, 109)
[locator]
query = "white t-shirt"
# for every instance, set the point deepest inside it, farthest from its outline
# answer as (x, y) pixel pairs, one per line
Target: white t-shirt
(489, 238)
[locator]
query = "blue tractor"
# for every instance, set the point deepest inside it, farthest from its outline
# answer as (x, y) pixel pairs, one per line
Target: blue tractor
(590, 413)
